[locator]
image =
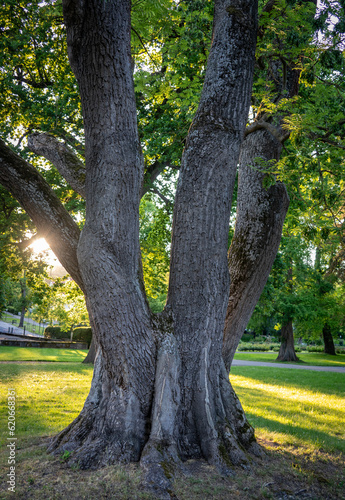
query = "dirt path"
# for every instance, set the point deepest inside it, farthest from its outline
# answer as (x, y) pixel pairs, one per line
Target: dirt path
(337, 369)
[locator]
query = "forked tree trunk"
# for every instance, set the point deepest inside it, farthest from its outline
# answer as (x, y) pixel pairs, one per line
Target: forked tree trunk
(328, 340)
(287, 346)
(160, 392)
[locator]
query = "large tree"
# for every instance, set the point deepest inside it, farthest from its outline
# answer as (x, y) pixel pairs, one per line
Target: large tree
(160, 390)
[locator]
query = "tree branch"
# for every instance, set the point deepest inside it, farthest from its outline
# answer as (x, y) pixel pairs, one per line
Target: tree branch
(70, 140)
(262, 124)
(61, 156)
(52, 220)
(151, 174)
(162, 197)
(324, 139)
(43, 84)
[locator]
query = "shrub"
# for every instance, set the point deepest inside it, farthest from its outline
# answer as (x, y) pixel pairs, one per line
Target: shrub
(246, 337)
(253, 347)
(275, 346)
(82, 334)
(259, 338)
(314, 348)
(57, 333)
(12, 310)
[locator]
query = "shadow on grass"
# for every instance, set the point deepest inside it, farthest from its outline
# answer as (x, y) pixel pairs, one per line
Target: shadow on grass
(306, 435)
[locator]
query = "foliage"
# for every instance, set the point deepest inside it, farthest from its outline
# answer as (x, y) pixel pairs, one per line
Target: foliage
(170, 43)
(63, 303)
(257, 347)
(57, 333)
(82, 335)
(155, 236)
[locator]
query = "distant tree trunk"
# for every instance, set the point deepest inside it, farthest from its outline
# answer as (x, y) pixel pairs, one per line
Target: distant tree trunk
(287, 346)
(91, 355)
(328, 340)
(22, 313)
(23, 300)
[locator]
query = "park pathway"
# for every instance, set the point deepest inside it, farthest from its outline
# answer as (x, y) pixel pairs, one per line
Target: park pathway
(338, 369)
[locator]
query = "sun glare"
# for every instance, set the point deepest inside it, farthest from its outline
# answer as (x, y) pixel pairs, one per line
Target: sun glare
(39, 246)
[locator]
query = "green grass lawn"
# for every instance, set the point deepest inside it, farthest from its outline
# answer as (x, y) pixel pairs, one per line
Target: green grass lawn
(49, 396)
(9, 353)
(308, 358)
(299, 419)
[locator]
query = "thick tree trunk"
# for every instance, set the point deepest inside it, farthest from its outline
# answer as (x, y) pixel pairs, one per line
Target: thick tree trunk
(328, 340)
(115, 420)
(260, 216)
(160, 392)
(287, 346)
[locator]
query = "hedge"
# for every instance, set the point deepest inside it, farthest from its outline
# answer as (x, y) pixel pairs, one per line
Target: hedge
(262, 347)
(315, 348)
(56, 332)
(12, 310)
(82, 334)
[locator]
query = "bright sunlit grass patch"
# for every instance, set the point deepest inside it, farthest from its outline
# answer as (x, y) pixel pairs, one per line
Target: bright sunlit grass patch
(291, 407)
(309, 358)
(49, 396)
(9, 353)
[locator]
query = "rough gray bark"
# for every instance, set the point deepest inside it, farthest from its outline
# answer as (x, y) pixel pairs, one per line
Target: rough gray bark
(98, 36)
(160, 390)
(199, 277)
(260, 216)
(287, 346)
(62, 157)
